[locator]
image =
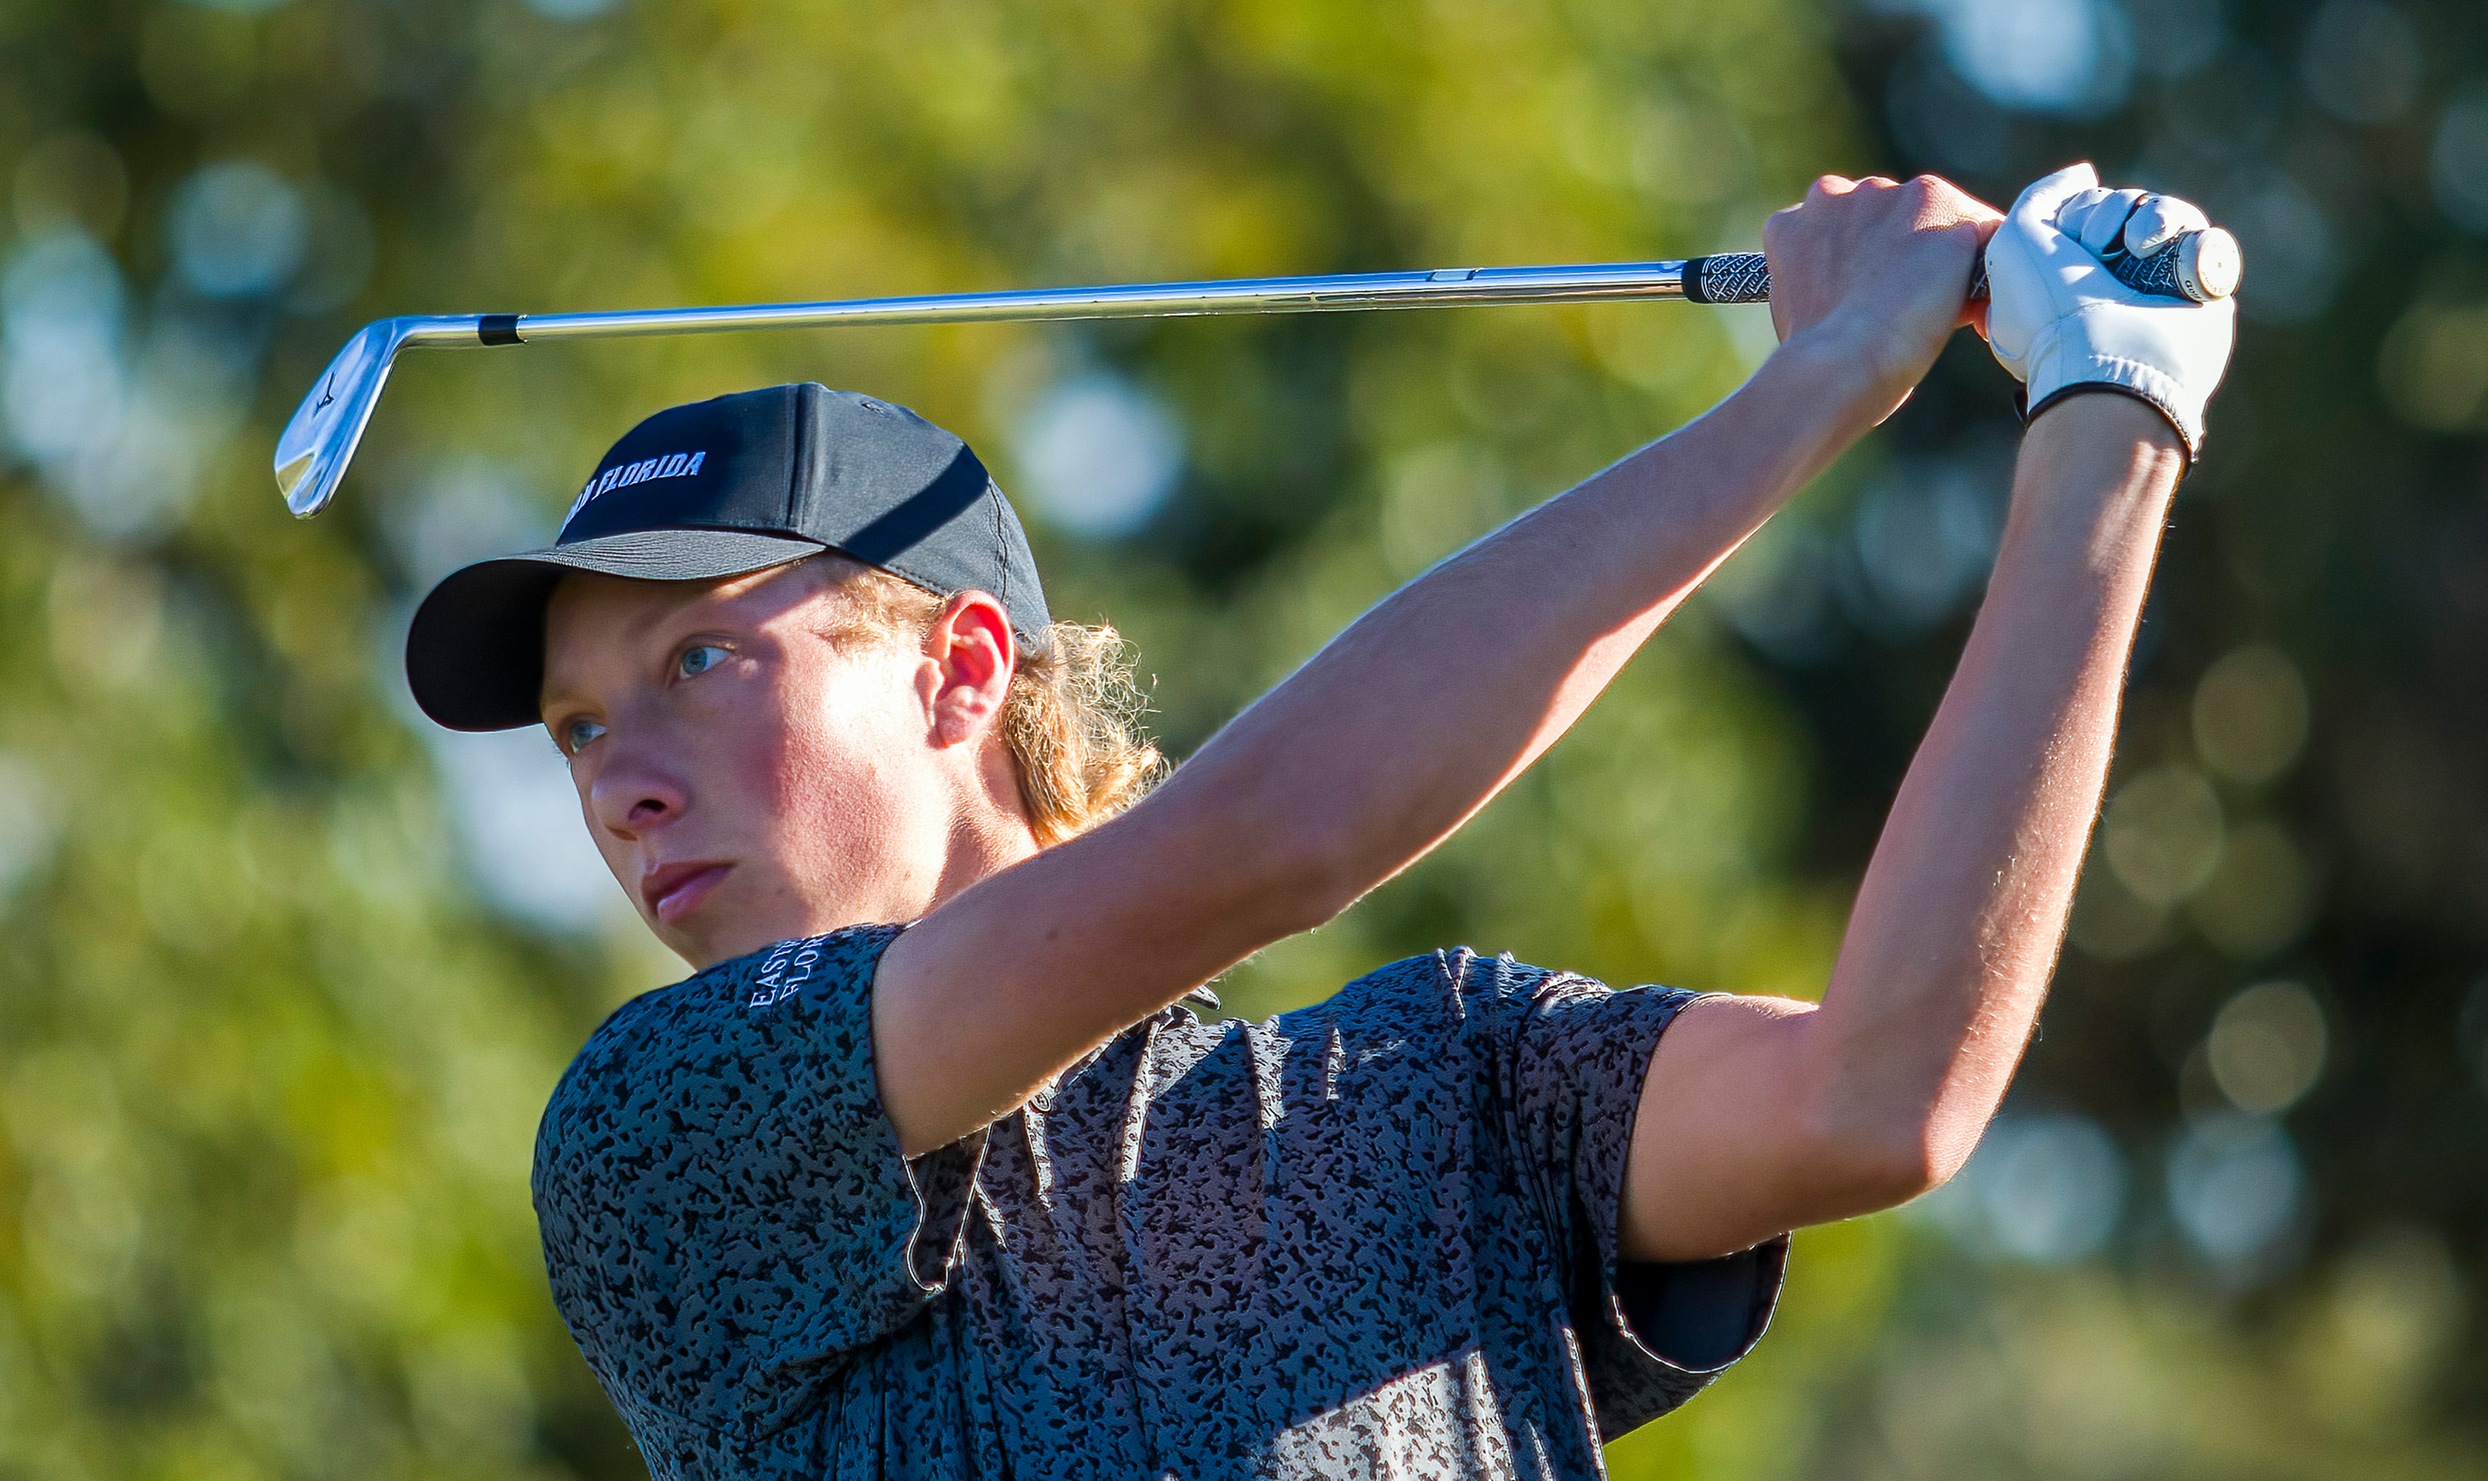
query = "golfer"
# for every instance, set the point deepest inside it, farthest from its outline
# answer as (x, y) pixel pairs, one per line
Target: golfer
(926, 1172)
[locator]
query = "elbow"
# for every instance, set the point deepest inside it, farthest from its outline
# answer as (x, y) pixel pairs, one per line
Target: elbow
(1887, 1174)
(1908, 1164)
(1252, 866)
(1864, 1161)
(1279, 880)
(1291, 844)
(1874, 1133)
(1310, 869)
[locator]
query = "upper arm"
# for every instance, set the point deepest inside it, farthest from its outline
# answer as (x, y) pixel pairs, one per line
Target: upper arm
(1740, 1135)
(999, 989)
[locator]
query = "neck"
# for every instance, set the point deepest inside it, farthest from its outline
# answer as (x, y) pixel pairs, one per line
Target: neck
(990, 832)
(980, 846)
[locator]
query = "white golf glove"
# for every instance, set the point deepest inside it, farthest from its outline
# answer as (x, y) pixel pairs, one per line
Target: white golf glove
(2061, 322)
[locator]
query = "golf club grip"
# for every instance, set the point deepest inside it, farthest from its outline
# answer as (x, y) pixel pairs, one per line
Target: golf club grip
(1744, 277)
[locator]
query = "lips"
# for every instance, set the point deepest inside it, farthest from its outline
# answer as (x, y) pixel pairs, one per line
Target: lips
(675, 890)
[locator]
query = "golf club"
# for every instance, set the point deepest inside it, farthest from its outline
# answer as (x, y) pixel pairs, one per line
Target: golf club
(312, 454)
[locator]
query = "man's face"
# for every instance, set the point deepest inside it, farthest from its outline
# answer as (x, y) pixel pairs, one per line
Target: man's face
(747, 777)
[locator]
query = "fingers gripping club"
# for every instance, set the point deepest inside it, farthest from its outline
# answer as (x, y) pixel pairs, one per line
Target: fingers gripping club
(2201, 264)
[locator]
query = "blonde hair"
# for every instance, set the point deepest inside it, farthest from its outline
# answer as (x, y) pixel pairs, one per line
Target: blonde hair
(1071, 721)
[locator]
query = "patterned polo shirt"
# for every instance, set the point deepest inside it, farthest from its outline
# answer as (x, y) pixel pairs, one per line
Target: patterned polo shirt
(1374, 1237)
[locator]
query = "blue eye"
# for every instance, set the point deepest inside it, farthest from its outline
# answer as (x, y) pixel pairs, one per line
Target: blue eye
(578, 733)
(700, 659)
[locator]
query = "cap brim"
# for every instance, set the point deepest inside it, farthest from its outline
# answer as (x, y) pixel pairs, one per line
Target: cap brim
(475, 653)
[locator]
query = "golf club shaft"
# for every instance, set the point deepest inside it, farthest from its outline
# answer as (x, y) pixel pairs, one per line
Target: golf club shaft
(1594, 283)
(1728, 277)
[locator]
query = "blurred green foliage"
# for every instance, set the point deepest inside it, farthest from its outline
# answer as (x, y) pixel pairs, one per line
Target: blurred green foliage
(292, 975)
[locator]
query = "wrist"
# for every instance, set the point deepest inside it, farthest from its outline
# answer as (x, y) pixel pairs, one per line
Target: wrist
(2123, 442)
(2148, 396)
(1829, 381)
(2107, 414)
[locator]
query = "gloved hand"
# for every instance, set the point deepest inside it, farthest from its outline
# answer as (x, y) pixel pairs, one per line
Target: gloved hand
(2061, 323)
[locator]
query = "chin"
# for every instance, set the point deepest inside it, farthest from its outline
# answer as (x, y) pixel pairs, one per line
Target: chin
(704, 942)
(698, 941)
(694, 954)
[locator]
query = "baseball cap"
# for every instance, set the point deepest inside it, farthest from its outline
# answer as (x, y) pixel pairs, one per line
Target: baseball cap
(722, 488)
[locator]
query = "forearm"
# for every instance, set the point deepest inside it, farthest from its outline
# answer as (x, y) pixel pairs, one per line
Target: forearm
(1428, 706)
(1959, 918)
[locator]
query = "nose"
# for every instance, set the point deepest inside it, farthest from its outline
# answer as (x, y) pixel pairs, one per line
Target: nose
(633, 793)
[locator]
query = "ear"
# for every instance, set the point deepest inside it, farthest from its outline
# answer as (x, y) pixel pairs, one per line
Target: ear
(972, 653)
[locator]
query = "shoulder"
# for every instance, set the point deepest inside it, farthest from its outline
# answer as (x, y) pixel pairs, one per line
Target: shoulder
(721, 1026)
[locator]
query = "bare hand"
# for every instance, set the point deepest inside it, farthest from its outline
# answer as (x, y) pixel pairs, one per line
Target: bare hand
(1878, 272)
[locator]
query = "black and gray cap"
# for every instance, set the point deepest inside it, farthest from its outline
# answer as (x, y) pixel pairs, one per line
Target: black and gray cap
(721, 488)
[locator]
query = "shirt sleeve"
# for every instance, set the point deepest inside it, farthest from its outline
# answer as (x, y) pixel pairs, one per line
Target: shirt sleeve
(1574, 1055)
(726, 1214)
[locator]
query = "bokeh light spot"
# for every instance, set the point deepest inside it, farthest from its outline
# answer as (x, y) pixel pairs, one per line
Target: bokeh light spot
(238, 229)
(2236, 1187)
(2433, 366)
(2458, 161)
(2162, 834)
(2266, 1047)
(2047, 56)
(2250, 713)
(1100, 455)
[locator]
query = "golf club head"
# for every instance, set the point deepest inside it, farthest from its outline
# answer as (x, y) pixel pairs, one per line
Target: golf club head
(312, 455)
